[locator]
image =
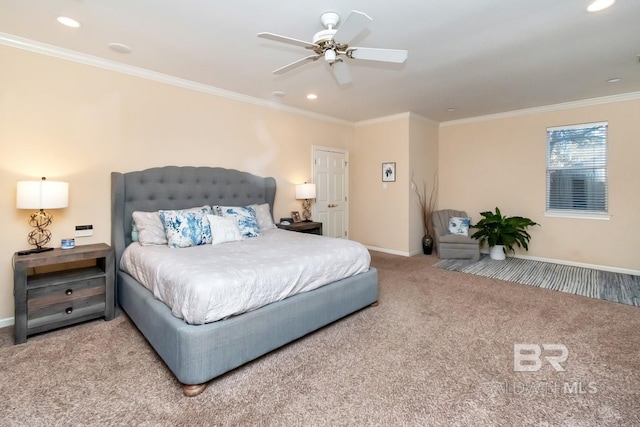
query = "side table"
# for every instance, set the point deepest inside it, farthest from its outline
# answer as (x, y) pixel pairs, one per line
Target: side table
(70, 294)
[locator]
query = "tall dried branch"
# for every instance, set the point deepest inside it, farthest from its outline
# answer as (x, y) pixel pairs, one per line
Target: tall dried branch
(426, 204)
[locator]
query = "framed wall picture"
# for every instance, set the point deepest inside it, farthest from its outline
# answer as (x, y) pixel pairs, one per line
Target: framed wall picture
(389, 172)
(296, 216)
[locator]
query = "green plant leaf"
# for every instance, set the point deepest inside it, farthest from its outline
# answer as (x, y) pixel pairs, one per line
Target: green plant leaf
(496, 229)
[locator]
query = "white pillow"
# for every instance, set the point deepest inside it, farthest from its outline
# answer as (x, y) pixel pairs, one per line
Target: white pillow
(263, 216)
(223, 229)
(459, 225)
(150, 228)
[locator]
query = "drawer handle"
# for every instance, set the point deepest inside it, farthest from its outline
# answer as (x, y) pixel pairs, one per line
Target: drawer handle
(68, 291)
(69, 310)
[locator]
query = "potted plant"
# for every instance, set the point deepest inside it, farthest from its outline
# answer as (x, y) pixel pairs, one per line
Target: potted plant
(502, 232)
(426, 207)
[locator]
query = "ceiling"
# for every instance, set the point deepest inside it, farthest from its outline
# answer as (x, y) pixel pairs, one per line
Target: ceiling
(477, 57)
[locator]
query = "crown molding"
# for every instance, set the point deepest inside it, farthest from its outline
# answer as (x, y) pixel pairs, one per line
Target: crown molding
(547, 108)
(383, 119)
(401, 116)
(106, 64)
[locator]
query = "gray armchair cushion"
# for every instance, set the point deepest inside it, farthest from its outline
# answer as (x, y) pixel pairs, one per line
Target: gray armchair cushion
(456, 238)
(452, 245)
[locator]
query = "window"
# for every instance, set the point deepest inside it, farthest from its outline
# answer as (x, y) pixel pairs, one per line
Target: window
(577, 169)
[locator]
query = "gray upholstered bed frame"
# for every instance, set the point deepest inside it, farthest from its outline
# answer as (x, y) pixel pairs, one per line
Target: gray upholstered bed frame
(198, 353)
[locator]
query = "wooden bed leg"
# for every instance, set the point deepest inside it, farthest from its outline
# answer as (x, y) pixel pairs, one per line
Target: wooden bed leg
(191, 390)
(374, 304)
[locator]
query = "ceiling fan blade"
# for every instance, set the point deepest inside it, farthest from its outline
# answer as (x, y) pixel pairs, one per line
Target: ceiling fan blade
(341, 72)
(296, 64)
(289, 40)
(373, 54)
(355, 23)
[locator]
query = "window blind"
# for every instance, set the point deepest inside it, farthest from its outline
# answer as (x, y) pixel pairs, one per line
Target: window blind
(577, 168)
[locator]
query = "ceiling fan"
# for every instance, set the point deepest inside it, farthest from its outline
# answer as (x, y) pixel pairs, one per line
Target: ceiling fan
(332, 44)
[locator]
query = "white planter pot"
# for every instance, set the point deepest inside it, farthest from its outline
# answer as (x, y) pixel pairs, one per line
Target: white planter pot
(497, 252)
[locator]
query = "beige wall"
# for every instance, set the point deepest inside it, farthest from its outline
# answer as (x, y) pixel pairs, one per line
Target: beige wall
(379, 215)
(423, 161)
(501, 162)
(76, 123)
(386, 216)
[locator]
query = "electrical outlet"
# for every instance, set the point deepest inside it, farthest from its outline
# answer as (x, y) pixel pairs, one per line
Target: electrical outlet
(84, 230)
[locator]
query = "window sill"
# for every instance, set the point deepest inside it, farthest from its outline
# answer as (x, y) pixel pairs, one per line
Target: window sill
(578, 215)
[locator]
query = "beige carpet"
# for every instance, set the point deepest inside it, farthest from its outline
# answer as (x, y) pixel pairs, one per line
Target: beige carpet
(438, 350)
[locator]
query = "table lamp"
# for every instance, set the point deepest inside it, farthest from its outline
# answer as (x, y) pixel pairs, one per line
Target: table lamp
(41, 195)
(305, 192)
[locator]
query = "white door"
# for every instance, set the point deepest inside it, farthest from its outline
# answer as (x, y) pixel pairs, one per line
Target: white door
(330, 172)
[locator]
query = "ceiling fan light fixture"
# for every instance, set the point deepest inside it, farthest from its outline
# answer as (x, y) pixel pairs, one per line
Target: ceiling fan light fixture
(330, 56)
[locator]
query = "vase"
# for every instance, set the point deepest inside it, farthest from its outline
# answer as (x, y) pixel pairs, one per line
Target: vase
(497, 252)
(427, 244)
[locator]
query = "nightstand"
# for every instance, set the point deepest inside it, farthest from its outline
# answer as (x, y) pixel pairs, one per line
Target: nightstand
(303, 227)
(78, 285)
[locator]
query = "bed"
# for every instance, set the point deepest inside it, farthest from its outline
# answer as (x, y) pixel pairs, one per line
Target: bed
(198, 353)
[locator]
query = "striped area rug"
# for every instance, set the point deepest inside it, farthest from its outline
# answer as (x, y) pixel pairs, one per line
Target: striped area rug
(616, 287)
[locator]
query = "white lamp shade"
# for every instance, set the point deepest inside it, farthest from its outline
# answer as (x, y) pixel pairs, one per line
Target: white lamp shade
(42, 194)
(305, 191)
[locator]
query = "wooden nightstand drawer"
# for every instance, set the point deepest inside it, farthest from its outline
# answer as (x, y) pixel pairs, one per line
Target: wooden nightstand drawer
(65, 297)
(66, 314)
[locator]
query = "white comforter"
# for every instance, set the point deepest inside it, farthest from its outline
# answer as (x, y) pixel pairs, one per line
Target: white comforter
(206, 283)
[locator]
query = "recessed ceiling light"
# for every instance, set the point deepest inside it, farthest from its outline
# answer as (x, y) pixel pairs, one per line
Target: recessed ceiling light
(451, 109)
(278, 93)
(598, 5)
(614, 80)
(119, 47)
(312, 96)
(69, 22)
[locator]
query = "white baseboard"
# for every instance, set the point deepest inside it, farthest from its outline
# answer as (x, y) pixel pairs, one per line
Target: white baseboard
(389, 251)
(9, 321)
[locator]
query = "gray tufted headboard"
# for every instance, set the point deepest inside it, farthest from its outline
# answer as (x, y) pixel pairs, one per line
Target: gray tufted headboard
(180, 187)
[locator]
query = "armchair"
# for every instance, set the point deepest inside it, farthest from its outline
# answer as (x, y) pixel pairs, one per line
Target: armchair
(452, 245)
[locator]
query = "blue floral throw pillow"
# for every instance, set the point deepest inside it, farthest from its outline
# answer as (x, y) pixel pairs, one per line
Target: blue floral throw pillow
(187, 227)
(246, 218)
(459, 225)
